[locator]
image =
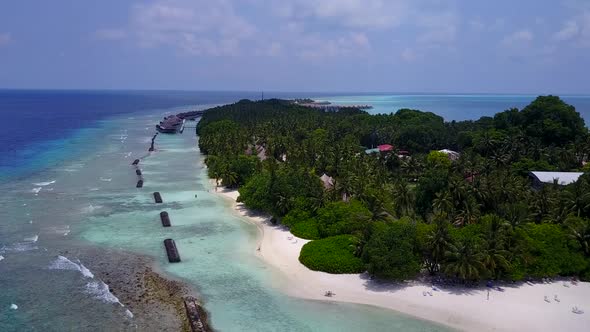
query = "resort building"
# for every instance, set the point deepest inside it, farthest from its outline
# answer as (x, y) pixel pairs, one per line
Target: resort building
(383, 148)
(560, 178)
(453, 155)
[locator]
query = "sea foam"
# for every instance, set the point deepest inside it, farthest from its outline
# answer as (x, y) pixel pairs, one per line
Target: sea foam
(43, 184)
(100, 290)
(19, 247)
(128, 313)
(91, 208)
(63, 263)
(33, 238)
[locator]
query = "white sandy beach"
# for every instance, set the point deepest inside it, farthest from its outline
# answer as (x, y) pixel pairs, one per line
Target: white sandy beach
(518, 308)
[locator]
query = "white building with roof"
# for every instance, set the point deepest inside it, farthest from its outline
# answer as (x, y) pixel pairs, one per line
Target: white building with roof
(453, 155)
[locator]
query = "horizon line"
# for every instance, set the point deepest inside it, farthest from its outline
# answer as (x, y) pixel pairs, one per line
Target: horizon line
(317, 93)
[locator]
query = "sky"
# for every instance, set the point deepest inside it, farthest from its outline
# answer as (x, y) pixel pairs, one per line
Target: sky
(427, 46)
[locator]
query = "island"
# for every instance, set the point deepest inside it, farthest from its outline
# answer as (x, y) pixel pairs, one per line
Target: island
(407, 202)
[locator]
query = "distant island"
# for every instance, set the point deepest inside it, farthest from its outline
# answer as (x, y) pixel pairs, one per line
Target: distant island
(407, 196)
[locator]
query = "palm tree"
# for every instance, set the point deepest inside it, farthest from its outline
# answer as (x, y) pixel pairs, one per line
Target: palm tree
(494, 260)
(578, 199)
(439, 242)
(377, 207)
(580, 231)
(229, 177)
(463, 261)
(467, 213)
(404, 199)
(443, 203)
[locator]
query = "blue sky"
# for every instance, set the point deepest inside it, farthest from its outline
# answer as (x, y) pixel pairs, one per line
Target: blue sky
(524, 46)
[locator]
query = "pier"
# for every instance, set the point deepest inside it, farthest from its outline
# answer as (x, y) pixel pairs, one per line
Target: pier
(172, 251)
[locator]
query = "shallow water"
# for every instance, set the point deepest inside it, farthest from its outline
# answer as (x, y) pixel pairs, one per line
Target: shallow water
(90, 199)
(454, 107)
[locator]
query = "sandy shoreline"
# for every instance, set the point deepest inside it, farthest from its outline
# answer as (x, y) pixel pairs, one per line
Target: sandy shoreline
(520, 307)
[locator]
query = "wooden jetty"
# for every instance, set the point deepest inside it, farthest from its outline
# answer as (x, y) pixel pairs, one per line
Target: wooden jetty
(165, 218)
(158, 197)
(139, 184)
(172, 251)
(135, 162)
(192, 312)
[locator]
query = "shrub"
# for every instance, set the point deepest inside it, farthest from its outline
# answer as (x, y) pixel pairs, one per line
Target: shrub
(339, 218)
(390, 252)
(333, 255)
(307, 229)
(302, 224)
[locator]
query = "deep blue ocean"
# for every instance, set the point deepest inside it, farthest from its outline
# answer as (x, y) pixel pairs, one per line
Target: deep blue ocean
(37, 124)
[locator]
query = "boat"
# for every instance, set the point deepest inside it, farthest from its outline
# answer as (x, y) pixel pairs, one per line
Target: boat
(170, 125)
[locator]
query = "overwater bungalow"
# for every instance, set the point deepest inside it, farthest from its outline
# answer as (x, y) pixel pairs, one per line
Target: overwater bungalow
(170, 125)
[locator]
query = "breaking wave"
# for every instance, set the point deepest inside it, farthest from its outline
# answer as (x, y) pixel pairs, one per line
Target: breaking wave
(101, 291)
(63, 263)
(33, 238)
(43, 184)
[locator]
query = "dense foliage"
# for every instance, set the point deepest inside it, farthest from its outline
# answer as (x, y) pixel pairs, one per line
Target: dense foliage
(333, 255)
(468, 218)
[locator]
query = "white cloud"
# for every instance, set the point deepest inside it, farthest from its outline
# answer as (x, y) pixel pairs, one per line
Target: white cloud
(377, 14)
(195, 27)
(440, 28)
(315, 47)
(110, 34)
(576, 30)
(569, 30)
(5, 38)
(517, 38)
(409, 55)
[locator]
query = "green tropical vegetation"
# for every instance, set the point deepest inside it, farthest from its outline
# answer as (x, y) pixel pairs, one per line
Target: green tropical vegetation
(414, 210)
(333, 255)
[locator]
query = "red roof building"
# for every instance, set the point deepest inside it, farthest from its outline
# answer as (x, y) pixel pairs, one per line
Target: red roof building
(385, 148)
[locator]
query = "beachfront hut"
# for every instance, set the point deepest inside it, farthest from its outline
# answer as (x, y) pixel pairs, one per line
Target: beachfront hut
(560, 178)
(453, 155)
